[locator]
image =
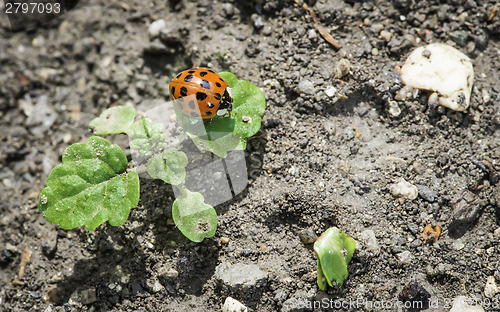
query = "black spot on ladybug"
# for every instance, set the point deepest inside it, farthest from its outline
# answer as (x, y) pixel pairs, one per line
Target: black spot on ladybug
(178, 76)
(211, 71)
(200, 96)
(208, 113)
(180, 100)
(221, 79)
(188, 78)
(218, 84)
(172, 91)
(217, 96)
(210, 105)
(180, 106)
(205, 84)
(191, 104)
(191, 71)
(193, 114)
(184, 91)
(203, 74)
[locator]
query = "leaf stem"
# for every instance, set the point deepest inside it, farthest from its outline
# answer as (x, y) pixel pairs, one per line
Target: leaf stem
(183, 189)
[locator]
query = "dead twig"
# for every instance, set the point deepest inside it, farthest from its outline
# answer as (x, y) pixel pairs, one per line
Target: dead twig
(322, 30)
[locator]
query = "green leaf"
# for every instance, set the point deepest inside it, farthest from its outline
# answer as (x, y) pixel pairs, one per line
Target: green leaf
(334, 249)
(195, 219)
(90, 187)
(146, 137)
(169, 166)
(113, 120)
(223, 134)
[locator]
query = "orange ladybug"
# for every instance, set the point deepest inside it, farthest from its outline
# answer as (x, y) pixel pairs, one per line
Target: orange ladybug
(200, 93)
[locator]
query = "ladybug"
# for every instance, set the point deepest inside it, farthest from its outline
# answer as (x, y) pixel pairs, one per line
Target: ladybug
(200, 93)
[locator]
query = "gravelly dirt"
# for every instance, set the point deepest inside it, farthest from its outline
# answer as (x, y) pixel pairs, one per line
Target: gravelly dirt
(327, 154)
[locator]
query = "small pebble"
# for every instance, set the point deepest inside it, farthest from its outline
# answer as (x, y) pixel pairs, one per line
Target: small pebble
(233, 305)
(370, 240)
(224, 240)
(311, 34)
(486, 96)
(457, 244)
(307, 236)
(330, 91)
(405, 257)
(307, 87)
(491, 288)
(394, 108)
(415, 294)
(341, 69)
(386, 35)
(404, 189)
(496, 233)
(156, 28)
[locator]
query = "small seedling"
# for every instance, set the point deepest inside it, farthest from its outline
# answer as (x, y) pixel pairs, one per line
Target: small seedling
(94, 184)
(334, 250)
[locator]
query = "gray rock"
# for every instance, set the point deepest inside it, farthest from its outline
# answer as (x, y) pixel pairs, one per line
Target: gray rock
(307, 87)
(83, 296)
(240, 275)
(370, 241)
(426, 193)
(466, 208)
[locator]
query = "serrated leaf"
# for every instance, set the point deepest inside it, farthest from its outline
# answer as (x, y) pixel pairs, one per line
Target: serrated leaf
(90, 187)
(146, 137)
(334, 250)
(223, 134)
(195, 219)
(169, 166)
(113, 120)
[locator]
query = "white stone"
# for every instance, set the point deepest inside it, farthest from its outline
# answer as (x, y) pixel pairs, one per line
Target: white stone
(491, 288)
(156, 28)
(405, 257)
(441, 68)
(496, 233)
(465, 304)
(233, 305)
(404, 189)
(331, 91)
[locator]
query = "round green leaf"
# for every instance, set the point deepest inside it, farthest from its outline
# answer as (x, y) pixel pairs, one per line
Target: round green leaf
(113, 120)
(195, 219)
(169, 166)
(90, 187)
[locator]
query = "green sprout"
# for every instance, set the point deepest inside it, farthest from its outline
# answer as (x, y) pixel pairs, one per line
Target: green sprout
(334, 250)
(94, 184)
